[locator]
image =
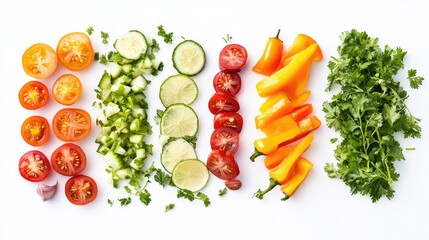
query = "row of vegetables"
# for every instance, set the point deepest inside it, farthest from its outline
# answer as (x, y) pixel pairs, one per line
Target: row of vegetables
(285, 117)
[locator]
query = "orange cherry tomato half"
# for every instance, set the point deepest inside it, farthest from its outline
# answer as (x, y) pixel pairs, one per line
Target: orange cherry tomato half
(71, 124)
(35, 130)
(33, 95)
(81, 190)
(34, 166)
(75, 52)
(69, 159)
(39, 61)
(67, 89)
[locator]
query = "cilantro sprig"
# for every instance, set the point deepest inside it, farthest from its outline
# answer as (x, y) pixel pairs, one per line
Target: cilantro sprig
(368, 112)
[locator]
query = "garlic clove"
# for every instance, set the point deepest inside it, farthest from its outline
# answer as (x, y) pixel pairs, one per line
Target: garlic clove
(46, 192)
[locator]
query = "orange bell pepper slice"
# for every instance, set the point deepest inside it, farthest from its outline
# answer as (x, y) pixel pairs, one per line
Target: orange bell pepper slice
(288, 75)
(271, 56)
(307, 126)
(300, 99)
(301, 42)
(268, 145)
(279, 125)
(274, 107)
(275, 158)
(282, 172)
(301, 169)
(301, 112)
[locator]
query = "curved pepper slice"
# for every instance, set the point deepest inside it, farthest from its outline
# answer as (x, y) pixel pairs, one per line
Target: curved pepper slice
(271, 56)
(273, 108)
(286, 76)
(301, 42)
(268, 145)
(301, 169)
(275, 158)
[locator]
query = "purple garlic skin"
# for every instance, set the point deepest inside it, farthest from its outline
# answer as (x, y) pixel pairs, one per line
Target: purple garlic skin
(46, 192)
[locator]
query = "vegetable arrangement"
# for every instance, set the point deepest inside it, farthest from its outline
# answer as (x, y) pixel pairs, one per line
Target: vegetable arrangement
(284, 115)
(368, 112)
(228, 123)
(75, 52)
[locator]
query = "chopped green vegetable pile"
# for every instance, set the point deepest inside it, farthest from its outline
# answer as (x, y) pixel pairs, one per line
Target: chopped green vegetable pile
(367, 112)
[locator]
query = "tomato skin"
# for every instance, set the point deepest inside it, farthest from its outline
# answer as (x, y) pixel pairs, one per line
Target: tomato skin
(225, 139)
(34, 166)
(220, 102)
(69, 159)
(232, 58)
(233, 184)
(39, 61)
(222, 164)
(226, 82)
(75, 51)
(67, 89)
(35, 130)
(81, 190)
(228, 119)
(71, 124)
(33, 95)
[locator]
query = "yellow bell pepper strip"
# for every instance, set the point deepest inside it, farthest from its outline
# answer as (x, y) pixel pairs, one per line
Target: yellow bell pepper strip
(300, 99)
(271, 56)
(274, 107)
(307, 126)
(301, 169)
(268, 145)
(282, 172)
(286, 76)
(279, 125)
(275, 158)
(301, 42)
(300, 85)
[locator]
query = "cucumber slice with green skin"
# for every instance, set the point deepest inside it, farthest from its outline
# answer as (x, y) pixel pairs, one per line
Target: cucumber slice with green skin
(175, 151)
(178, 89)
(131, 45)
(189, 58)
(179, 120)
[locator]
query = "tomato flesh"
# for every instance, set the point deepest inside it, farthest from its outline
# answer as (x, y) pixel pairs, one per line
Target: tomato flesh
(71, 124)
(225, 139)
(34, 166)
(220, 102)
(39, 61)
(35, 130)
(33, 95)
(81, 190)
(233, 184)
(229, 83)
(75, 51)
(222, 164)
(232, 58)
(69, 159)
(67, 89)
(228, 119)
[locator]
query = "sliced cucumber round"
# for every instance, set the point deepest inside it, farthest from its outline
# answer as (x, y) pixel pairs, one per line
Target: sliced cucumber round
(189, 58)
(131, 45)
(179, 120)
(190, 174)
(178, 89)
(175, 151)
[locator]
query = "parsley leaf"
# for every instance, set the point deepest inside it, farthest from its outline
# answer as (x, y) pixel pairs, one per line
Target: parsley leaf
(90, 30)
(169, 207)
(222, 192)
(162, 178)
(168, 37)
(104, 36)
(415, 81)
(368, 112)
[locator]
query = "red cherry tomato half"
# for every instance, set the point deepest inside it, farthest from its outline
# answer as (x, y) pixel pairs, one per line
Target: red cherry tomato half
(34, 166)
(35, 130)
(228, 119)
(222, 164)
(227, 82)
(225, 139)
(81, 190)
(232, 58)
(220, 102)
(68, 159)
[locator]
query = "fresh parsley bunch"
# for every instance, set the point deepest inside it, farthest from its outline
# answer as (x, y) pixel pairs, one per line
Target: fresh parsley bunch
(367, 112)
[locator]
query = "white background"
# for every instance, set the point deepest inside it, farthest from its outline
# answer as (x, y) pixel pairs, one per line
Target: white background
(321, 209)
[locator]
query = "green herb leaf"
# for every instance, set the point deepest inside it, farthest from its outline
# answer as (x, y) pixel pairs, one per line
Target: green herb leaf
(104, 36)
(90, 30)
(222, 192)
(168, 37)
(169, 207)
(162, 178)
(415, 81)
